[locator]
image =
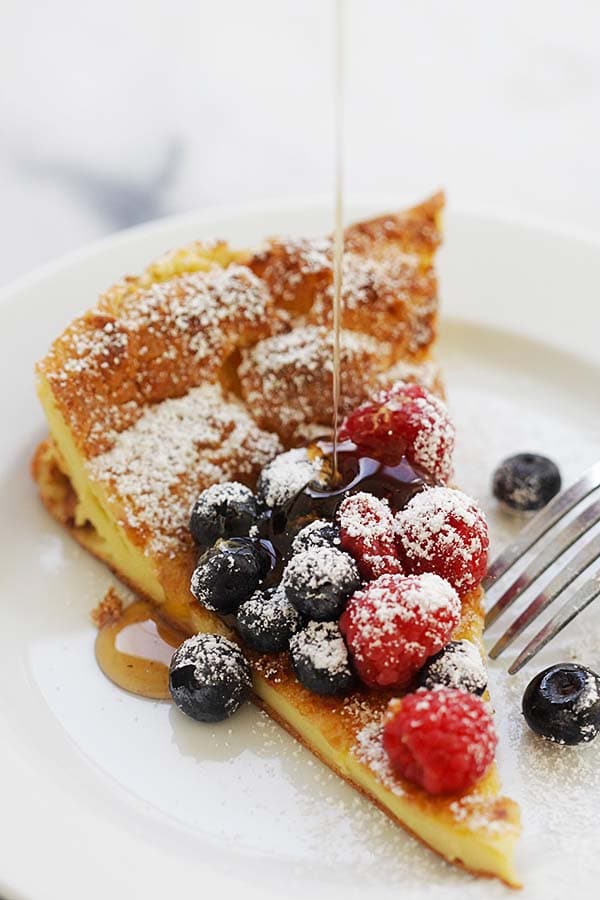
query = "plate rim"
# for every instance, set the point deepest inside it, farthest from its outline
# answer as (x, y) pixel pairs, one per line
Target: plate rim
(203, 215)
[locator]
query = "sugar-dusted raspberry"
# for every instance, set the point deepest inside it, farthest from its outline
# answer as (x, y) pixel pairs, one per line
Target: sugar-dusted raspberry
(444, 531)
(405, 420)
(367, 532)
(394, 624)
(443, 740)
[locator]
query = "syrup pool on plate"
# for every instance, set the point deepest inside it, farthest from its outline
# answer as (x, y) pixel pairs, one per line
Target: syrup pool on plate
(135, 651)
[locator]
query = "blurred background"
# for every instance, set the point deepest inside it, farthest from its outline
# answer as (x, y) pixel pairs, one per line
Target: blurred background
(119, 112)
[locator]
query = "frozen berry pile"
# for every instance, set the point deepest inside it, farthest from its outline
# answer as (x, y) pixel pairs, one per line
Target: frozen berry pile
(356, 587)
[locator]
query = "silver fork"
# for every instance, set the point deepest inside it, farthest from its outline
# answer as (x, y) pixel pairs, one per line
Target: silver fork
(551, 548)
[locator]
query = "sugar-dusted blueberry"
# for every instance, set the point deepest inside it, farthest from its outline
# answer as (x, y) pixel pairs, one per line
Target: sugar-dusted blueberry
(320, 658)
(223, 510)
(319, 533)
(458, 665)
(228, 573)
(562, 704)
(268, 620)
(526, 482)
(287, 474)
(209, 677)
(319, 581)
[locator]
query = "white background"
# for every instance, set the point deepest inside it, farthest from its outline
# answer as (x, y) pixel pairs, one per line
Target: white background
(117, 112)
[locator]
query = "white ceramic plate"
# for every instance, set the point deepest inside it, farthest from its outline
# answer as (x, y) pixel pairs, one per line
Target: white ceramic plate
(107, 795)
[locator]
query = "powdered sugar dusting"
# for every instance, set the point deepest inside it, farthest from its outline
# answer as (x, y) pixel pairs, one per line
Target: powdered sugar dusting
(393, 290)
(224, 492)
(369, 750)
(157, 467)
(366, 517)
(287, 379)
(320, 533)
(308, 349)
(588, 696)
(207, 651)
(267, 609)
(144, 345)
(473, 811)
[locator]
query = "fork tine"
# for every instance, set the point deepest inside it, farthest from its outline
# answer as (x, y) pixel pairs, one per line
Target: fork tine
(543, 522)
(573, 606)
(573, 570)
(553, 549)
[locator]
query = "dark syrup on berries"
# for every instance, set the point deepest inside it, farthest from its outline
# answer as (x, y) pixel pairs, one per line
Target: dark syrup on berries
(355, 472)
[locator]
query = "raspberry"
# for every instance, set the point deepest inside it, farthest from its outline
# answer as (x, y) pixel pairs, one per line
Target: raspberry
(394, 624)
(367, 533)
(405, 420)
(443, 531)
(443, 740)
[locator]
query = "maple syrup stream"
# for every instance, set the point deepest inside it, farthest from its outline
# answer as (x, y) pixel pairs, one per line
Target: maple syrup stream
(135, 650)
(338, 234)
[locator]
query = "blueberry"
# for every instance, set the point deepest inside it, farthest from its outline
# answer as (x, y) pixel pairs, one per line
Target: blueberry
(268, 620)
(458, 665)
(319, 581)
(286, 475)
(319, 533)
(223, 510)
(209, 677)
(526, 482)
(228, 573)
(320, 658)
(562, 704)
